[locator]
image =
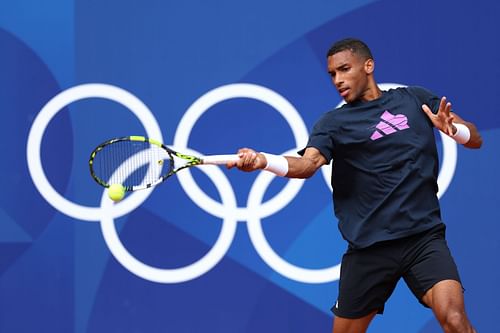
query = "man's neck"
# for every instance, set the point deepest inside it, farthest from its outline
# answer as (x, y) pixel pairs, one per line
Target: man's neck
(372, 92)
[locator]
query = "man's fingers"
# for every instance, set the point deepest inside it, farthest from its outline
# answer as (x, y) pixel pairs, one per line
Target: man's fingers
(427, 110)
(448, 108)
(442, 104)
(247, 157)
(249, 160)
(231, 165)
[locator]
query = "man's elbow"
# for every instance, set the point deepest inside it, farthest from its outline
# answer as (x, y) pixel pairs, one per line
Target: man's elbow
(306, 175)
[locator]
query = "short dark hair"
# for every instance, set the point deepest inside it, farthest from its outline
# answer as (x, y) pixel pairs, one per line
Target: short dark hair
(354, 45)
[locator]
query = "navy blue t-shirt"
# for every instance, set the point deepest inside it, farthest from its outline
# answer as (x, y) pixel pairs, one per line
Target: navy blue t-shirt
(385, 165)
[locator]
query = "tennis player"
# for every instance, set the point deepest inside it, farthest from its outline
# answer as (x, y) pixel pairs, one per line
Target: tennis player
(384, 178)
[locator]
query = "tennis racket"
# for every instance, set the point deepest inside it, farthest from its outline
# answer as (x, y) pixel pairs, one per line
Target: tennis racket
(137, 162)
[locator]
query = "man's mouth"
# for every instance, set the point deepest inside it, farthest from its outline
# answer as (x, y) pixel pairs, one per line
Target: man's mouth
(344, 92)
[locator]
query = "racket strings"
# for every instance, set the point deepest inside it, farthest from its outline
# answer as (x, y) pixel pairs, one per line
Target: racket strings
(131, 163)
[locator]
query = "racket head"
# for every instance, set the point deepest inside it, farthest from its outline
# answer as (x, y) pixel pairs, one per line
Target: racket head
(135, 162)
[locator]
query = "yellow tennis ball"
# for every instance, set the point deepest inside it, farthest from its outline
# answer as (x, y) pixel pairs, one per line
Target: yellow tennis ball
(116, 192)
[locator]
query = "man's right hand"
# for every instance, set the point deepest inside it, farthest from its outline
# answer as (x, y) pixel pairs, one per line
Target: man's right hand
(249, 160)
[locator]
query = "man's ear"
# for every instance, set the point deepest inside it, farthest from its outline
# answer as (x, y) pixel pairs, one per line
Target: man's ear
(369, 66)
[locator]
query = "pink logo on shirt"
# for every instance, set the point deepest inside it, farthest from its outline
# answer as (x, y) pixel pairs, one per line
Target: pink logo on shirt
(389, 124)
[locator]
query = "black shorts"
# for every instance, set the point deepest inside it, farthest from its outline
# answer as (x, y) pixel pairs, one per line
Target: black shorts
(368, 276)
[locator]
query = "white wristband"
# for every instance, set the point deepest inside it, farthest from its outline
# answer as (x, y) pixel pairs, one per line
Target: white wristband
(276, 164)
(462, 135)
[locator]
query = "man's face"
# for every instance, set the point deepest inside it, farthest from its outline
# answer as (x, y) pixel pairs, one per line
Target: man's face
(349, 74)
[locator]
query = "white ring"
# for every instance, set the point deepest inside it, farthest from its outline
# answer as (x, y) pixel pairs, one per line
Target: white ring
(255, 210)
(448, 164)
(266, 252)
(217, 95)
(55, 105)
(176, 275)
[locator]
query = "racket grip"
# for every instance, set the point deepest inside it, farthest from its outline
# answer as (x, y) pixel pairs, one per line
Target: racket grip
(220, 159)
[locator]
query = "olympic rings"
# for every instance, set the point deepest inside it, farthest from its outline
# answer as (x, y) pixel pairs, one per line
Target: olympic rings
(255, 210)
(185, 273)
(223, 93)
(265, 250)
(227, 210)
(55, 105)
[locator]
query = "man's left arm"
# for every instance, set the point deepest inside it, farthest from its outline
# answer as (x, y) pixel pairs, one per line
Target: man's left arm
(475, 139)
(453, 125)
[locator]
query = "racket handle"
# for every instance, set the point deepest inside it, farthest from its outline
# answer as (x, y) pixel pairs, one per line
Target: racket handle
(219, 159)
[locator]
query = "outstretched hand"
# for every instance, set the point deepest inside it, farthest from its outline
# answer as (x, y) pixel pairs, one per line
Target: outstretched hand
(443, 119)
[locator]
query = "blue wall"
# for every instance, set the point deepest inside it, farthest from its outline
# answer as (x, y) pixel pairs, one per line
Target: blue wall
(216, 250)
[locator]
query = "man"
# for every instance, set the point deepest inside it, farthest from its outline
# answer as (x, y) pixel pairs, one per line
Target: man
(384, 177)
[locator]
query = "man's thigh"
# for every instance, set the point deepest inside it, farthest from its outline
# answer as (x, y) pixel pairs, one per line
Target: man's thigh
(428, 262)
(359, 325)
(367, 279)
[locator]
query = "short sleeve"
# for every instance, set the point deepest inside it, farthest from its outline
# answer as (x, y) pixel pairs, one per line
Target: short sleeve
(321, 138)
(426, 97)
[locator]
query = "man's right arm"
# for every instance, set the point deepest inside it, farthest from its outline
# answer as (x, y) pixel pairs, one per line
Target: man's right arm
(297, 167)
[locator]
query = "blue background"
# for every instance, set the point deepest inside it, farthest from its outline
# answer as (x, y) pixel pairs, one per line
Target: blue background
(56, 272)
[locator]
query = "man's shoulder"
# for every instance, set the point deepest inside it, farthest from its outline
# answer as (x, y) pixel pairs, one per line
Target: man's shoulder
(413, 90)
(422, 94)
(419, 91)
(330, 114)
